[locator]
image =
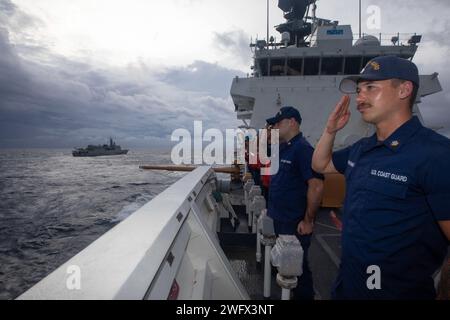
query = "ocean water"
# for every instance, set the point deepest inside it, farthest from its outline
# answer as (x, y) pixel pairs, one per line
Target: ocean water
(53, 205)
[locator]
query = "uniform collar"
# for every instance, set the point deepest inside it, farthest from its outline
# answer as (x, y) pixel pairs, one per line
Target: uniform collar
(294, 139)
(398, 138)
(403, 134)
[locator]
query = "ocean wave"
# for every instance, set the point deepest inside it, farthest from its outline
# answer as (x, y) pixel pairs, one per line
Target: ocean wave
(140, 184)
(53, 207)
(131, 208)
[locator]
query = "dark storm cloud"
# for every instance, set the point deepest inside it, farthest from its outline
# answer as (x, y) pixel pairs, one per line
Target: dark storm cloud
(67, 103)
(48, 100)
(12, 76)
(51, 101)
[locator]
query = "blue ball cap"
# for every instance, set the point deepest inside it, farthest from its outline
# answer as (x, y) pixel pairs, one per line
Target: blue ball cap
(382, 68)
(285, 113)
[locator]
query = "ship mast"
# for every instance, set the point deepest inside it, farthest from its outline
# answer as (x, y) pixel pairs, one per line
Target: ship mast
(360, 15)
(267, 39)
(297, 25)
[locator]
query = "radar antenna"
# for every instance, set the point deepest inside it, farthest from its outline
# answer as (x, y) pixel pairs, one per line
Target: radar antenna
(297, 23)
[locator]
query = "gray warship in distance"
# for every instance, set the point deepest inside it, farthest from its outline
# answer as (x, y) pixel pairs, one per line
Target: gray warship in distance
(97, 151)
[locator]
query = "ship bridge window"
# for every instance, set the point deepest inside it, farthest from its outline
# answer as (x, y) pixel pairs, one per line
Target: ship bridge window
(277, 67)
(294, 67)
(263, 67)
(353, 65)
(312, 66)
(332, 66)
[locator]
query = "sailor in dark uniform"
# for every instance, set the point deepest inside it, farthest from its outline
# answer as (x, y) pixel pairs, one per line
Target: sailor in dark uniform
(295, 191)
(396, 221)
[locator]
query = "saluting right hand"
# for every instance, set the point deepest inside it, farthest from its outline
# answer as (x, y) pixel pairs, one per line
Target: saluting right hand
(340, 116)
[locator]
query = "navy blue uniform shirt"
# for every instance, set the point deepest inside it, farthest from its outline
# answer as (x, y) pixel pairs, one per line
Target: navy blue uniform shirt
(289, 187)
(397, 191)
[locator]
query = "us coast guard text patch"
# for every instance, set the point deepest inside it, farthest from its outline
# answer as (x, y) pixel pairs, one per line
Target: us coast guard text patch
(389, 175)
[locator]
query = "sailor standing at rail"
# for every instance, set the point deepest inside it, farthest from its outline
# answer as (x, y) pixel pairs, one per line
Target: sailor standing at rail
(295, 192)
(396, 222)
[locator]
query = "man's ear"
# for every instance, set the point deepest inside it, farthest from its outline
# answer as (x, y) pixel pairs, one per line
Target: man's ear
(406, 90)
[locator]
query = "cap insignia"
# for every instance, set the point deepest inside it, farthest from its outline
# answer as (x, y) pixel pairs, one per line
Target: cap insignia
(375, 65)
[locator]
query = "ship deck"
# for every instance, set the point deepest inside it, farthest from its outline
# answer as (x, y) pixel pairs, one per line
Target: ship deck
(239, 247)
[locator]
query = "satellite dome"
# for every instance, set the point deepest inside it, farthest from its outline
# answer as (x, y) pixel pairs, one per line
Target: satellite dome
(367, 41)
(286, 38)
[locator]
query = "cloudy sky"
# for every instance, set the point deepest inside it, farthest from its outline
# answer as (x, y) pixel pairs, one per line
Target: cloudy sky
(74, 72)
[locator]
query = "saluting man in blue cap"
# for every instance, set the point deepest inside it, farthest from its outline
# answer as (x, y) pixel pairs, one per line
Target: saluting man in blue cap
(295, 192)
(396, 221)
